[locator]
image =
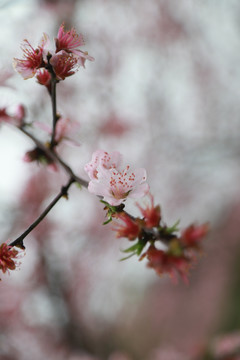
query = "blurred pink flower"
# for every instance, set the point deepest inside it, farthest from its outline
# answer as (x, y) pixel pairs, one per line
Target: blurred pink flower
(193, 234)
(129, 228)
(166, 263)
(8, 256)
(4, 116)
(66, 130)
(40, 157)
(13, 115)
(115, 185)
(33, 58)
(151, 214)
(227, 346)
(19, 112)
(4, 76)
(114, 126)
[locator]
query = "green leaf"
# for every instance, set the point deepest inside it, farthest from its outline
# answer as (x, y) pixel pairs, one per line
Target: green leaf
(105, 203)
(128, 257)
(173, 228)
(141, 245)
(107, 221)
(110, 207)
(131, 248)
(136, 249)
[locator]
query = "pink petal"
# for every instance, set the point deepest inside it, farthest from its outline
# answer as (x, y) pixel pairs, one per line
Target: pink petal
(140, 191)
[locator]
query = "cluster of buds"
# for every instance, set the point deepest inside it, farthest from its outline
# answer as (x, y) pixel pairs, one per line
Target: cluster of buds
(41, 157)
(43, 63)
(167, 252)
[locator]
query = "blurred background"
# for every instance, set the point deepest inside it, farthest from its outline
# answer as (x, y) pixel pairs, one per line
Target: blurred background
(164, 91)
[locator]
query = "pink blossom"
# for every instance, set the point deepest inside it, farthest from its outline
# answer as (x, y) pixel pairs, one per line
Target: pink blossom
(112, 184)
(4, 116)
(101, 158)
(64, 64)
(69, 41)
(33, 58)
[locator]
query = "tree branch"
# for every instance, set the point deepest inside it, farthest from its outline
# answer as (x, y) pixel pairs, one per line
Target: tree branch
(64, 191)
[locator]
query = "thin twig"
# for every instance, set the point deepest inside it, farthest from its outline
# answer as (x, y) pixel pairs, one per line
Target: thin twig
(19, 241)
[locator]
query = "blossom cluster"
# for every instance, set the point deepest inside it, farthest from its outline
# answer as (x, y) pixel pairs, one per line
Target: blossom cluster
(177, 253)
(165, 249)
(43, 62)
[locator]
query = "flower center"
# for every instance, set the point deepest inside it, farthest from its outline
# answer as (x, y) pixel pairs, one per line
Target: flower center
(121, 183)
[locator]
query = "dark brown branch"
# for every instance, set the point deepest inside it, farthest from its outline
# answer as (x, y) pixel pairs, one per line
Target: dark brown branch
(64, 191)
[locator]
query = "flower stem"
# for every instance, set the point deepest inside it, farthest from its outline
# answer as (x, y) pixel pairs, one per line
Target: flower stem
(54, 108)
(64, 192)
(52, 93)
